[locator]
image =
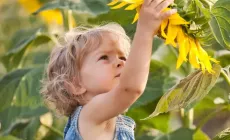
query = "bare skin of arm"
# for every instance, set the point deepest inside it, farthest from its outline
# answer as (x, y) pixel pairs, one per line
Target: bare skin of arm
(135, 72)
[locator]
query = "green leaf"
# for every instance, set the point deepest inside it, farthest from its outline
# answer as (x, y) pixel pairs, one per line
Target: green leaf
(180, 3)
(220, 22)
(224, 60)
(204, 11)
(208, 3)
(224, 135)
(145, 137)
(14, 56)
(160, 122)
(9, 85)
(94, 7)
(154, 89)
(187, 92)
(27, 102)
(28, 130)
(218, 91)
(200, 135)
(124, 18)
(179, 134)
(9, 137)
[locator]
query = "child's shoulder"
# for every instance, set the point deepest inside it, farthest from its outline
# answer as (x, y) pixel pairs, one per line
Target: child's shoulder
(71, 128)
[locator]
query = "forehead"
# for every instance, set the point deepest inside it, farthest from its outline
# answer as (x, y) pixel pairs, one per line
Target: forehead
(110, 43)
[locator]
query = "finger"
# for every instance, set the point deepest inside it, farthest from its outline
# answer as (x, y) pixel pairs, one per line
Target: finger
(163, 5)
(147, 2)
(168, 13)
(155, 3)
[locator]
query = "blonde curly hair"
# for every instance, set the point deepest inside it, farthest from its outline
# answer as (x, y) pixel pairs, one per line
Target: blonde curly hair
(62, 74)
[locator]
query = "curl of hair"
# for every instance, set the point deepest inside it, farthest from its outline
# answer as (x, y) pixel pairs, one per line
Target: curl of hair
(62, 74)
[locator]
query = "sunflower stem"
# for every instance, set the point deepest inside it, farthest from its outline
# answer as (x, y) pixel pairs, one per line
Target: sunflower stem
(70, 21)
(227, 79)
(208, 117)
(65, 19)
(187, 118)
(52, 129)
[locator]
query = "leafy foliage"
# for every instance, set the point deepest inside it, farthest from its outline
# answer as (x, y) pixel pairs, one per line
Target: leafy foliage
(224, 135)
(23, 61)
(94, 7)
(220, 22)
(187, 92)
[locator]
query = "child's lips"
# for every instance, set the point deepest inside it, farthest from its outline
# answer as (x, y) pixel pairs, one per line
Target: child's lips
(118, 75)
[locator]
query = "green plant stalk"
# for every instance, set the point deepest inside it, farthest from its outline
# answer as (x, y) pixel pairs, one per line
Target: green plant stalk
(54, 130)
(187, 118)
(208, 117)
(225, 76)
(54, 39)
(20, 65)
(70, 22)
(65, 19)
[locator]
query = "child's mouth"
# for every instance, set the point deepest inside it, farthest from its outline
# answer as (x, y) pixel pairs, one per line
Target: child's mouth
(118, 75)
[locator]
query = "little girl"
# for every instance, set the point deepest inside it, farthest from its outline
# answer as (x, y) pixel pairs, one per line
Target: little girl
(92, 77)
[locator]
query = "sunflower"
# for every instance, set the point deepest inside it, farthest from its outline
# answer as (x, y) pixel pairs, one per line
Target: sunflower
(175, 36)
(49, 16)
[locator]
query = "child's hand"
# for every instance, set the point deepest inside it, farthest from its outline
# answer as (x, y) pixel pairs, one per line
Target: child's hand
(151, 15)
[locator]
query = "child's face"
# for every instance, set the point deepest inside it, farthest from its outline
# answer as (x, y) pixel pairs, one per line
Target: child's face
(101, 68)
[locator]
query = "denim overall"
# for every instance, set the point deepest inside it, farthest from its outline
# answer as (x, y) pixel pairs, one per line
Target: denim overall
(124, 127)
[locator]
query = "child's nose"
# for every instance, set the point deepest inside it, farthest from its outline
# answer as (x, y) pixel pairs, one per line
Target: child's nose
(120, 63)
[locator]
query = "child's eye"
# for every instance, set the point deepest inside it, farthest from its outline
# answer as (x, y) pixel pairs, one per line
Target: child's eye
(123, 58)
(104, 57)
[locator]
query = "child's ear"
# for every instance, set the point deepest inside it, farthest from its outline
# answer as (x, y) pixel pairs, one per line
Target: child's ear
(79, 90)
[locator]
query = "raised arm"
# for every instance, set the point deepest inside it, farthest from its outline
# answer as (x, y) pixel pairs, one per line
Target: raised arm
(135, 72)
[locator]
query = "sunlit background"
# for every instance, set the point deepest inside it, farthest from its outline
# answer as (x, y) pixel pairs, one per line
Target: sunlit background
(26, 40)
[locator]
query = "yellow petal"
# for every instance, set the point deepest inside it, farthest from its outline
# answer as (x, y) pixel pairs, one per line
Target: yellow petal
(184, 48)
(176, 19)
(135, 1)
(214, 60)
(49, 16)
(181, 56)
(132, 7)
(171, 34)
(130, 1)
(193, 59)
(203, 53)
(178, 22)
(182, 40)
(176, 16)
(163, 26)
(166, 9)
(179, 61)
(122, 4)
(135, 18)
(113, 2)
(203, 56)
(202, 67)
(138, 9)
(205, 59)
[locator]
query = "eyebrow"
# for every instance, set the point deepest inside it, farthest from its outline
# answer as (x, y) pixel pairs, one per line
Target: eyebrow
(109, 52)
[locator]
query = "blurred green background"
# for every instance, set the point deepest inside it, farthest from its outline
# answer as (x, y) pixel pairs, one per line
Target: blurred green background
(26, 41)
